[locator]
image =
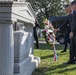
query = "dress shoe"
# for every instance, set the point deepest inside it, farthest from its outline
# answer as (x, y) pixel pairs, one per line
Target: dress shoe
(70, 62)
(63, 51)
(75, 59)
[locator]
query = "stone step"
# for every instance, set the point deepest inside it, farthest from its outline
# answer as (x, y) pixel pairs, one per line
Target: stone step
(37, 60)
(28, 66)
(20, 66)
(21, 58)
(28, 69)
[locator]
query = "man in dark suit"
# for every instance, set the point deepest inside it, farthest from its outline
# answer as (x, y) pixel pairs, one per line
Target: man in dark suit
(73, 32)
(35, 32)
(67, 39)
(71, 20)
(68, 20)
(66, 26)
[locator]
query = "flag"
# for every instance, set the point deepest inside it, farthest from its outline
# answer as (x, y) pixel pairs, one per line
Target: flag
(55, 54)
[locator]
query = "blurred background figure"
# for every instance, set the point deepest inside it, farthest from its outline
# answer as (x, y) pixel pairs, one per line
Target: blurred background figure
(35, 30)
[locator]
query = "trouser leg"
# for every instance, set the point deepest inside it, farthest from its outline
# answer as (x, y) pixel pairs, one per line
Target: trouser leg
(72, 48)
(36, 39)
(75, 45)
(65, 46)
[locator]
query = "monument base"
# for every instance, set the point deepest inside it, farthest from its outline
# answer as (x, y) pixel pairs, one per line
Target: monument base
(28, 66)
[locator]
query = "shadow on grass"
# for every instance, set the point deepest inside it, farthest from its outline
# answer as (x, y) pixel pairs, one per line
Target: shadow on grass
(51, 56)
(53, 69)
(45, 46)
(48, 56)
(60, 66)
(61, 71)
(71, 69)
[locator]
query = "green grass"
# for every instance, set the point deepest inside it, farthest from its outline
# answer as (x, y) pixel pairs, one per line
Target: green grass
(42, 39)
(48, 66)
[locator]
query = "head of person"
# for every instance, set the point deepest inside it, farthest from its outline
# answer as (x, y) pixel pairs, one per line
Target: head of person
(73, 5)
(67, 8)
(36, 21)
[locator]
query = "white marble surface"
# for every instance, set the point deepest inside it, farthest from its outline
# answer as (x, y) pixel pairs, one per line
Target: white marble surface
(11, 12)
(6, 49)
(21, 45)
(28, 66)
(24, 46)
(21, 11)
(6, 0)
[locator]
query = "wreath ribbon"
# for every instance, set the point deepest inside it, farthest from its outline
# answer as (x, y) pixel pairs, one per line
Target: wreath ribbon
(50, 36)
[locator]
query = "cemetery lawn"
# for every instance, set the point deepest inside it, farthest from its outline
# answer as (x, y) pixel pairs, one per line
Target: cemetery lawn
(50, 67)
(41, 39)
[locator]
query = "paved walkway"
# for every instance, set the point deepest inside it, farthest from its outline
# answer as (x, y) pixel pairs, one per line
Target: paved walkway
(40, 41)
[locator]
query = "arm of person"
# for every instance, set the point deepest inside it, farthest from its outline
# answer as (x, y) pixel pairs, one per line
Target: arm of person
(64, 25)
(74, 23)
(37, 25)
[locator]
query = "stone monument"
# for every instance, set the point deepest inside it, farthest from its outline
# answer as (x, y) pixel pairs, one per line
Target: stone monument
(16, 47)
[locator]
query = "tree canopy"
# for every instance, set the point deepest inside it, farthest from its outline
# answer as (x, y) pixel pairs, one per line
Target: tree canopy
(48, 8)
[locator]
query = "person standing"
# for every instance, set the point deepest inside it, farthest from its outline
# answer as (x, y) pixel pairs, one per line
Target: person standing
(73, 33)
(71, 20)
(35, 32)
(65, 25)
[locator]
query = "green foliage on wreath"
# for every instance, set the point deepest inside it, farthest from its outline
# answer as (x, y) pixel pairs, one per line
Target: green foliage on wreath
(45, 37)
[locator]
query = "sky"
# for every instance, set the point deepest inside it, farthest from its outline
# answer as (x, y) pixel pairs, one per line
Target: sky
(70, 0)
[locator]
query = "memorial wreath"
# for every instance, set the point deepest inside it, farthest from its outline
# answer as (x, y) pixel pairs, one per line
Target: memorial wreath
(49, 36)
